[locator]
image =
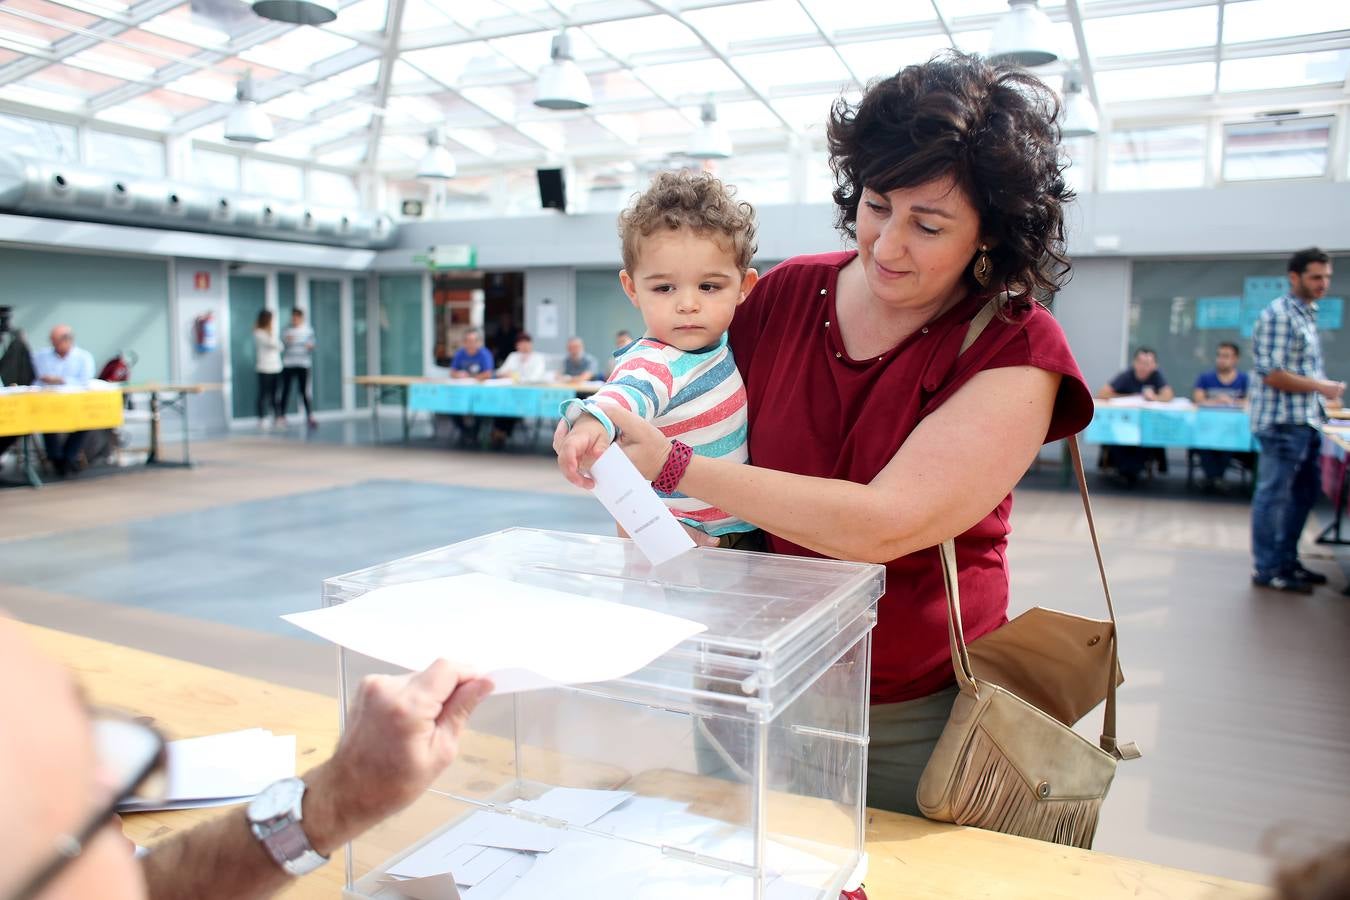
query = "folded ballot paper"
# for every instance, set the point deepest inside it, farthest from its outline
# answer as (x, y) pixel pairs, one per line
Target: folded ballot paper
(220, 770)
(523, 637)
(506, 856)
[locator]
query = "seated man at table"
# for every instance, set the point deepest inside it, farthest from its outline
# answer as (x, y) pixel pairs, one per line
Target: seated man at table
(1145, 379)
(65, 767)
(525, 366)
(64, 364)
(579, 366)
(1224, 386)
(471, 361)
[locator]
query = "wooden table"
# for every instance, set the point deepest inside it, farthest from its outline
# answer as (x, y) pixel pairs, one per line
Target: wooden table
(910, 858)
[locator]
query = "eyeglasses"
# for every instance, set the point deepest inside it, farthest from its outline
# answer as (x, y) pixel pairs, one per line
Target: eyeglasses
(131, 762)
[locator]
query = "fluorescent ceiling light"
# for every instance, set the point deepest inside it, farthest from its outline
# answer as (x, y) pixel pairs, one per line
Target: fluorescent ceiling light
(437, 164)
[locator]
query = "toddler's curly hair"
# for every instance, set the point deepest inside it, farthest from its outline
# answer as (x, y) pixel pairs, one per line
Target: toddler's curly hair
(698, 201)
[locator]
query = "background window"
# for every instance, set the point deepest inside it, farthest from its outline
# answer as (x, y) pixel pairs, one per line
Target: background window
(272, 179)
(122, 153)
(220, 170)
(1279, 148)
(39, 139)
(1145, 159)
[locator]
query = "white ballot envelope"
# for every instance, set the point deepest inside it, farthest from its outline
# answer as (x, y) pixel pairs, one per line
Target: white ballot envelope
(633, 503)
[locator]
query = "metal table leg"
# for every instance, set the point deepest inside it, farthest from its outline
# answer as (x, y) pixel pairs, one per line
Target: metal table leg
(29, 469)
(374, 394)
(407, 433)
(153, 456)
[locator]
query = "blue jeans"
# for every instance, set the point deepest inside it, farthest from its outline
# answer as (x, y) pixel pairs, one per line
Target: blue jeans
(1286, 488)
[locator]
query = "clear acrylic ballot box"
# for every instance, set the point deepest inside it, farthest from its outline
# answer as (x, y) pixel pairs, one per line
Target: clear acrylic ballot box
(733, 766)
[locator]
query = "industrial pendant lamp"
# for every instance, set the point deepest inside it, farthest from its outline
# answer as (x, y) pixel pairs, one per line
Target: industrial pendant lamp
(1080, 117)
(711, 140)
(297, 12)
(437, 164)
(562, 84)
(247, 123)
(1023, 36)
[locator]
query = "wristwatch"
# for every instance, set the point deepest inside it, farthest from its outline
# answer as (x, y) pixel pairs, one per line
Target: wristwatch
(274, 818)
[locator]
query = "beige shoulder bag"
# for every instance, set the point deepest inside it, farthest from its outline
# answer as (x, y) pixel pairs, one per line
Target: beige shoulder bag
(1008, 759)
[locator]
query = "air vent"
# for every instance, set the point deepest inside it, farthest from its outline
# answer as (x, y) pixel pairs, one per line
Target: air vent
(59, 182)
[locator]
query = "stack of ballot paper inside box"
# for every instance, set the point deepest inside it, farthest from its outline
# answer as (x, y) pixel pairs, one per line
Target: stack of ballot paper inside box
(722, 755)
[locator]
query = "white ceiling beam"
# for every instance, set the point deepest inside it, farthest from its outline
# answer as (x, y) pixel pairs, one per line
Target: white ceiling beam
(1085, 65)
(74, 43)
(1330, 40)
(393, 31)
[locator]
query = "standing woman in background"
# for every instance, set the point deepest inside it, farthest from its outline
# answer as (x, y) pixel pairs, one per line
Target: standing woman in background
(267, 363)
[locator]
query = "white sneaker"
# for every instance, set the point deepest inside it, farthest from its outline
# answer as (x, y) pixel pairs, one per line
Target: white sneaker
(264, 425)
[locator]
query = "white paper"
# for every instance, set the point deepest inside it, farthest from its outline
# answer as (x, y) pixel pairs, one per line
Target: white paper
(433, 887)
(523, 637)
(226, 766)
(576, 806)
(630, 499)
(502, 880)
(438, 855)
(510, 833)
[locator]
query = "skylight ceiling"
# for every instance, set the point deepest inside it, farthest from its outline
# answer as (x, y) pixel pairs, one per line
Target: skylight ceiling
(366, 89)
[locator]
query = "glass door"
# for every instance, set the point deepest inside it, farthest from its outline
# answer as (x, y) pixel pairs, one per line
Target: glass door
(325, 308)
(248, 297)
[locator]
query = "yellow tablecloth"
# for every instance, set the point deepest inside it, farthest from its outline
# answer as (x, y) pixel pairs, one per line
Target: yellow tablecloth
(30, 412)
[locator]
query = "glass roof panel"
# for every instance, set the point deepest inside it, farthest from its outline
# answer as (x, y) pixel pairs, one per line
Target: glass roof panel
(363, 75)
(978, 41)
(137, 114)
(627, 38)
(531, 52)
(364, 15)
(71, 80)
(870, 59)
(472, 14)
(619, 85)
(726, 25)
(412, 110)
(53, 11)
(165, 49)
(298, 49)
(479, 140)
(682, 79)
(960, 9)
(835, 17)
(748, 115)
(663, 123)
(179, 25)
(423, 15)
(399, 149)
(97, 59)
(294, 105)
(452, 65)
(26, 32)
(812, 65)
(45, 99)
(7, 56)
(1189, 79)
(1148, 32)
(208, 84)
(809, 113)
(1258, 20)
(1292, 70)
(349, 155)
(173, 101)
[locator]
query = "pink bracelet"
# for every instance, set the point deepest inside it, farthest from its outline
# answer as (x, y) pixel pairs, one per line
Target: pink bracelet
(668, 479)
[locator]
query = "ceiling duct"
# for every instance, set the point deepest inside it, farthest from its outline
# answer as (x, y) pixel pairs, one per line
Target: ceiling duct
(37, 187)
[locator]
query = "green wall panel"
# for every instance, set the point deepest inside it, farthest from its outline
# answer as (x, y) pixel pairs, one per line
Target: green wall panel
(401, 325)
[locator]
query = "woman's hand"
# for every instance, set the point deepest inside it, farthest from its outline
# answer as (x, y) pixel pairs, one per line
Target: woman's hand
(641, 441)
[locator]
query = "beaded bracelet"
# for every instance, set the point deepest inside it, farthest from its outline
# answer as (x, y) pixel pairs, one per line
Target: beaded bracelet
(668, 479)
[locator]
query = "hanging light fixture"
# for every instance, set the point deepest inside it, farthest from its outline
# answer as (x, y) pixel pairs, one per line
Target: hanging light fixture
(1080, 117)
(711, 140)
(437, 164)
(562, 84)
(1023, 36)
(297, 12)
(247, 123)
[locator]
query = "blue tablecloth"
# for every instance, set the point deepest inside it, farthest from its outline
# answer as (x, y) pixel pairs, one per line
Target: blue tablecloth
(507, 400)
(1201, 428)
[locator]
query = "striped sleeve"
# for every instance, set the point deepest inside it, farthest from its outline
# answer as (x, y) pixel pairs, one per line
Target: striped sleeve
(642, 382)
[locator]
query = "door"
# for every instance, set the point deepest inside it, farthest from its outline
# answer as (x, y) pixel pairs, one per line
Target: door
(325, 305)
(248, 297)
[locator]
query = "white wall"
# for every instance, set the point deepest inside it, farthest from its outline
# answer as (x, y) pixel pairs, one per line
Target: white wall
(206, 411)
(555, 288)
(1094, 311)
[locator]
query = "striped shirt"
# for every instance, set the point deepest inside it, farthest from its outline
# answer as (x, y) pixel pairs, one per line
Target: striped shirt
(695, 396)
(1285, 338)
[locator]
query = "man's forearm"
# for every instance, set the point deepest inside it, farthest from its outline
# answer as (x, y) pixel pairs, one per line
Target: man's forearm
(1290, 383)
(222, 860)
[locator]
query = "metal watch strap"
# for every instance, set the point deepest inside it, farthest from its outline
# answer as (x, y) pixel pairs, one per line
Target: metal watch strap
(285, 840)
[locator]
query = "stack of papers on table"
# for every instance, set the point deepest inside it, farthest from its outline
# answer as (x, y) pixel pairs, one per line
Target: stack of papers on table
(221, 769)
(501, 856)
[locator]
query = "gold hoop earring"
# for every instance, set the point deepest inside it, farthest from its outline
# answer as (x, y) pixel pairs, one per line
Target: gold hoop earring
(984, 267)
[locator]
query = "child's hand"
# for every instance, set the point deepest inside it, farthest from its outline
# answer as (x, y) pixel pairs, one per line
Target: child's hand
(579, 448)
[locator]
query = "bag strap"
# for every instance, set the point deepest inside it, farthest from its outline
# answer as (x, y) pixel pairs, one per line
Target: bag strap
(965, 675)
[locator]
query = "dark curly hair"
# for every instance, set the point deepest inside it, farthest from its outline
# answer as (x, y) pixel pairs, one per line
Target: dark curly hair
(993, 129)
(694, 200)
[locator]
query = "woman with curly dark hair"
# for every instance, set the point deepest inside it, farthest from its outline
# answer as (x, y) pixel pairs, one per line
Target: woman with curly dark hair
(871, 436)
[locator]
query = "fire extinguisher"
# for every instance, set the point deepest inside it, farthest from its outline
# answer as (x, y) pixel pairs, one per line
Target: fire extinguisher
(204, 332)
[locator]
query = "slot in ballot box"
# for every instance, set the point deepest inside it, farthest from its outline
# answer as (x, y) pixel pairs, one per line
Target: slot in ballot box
(732, 766)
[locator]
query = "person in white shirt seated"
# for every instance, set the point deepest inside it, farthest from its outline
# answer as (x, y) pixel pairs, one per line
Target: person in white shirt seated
(64, 364)
(523, 365)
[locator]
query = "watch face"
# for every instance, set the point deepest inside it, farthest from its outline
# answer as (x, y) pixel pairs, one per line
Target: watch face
(276, 800)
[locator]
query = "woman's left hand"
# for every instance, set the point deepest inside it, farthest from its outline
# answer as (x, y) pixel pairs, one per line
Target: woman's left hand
(641, 441)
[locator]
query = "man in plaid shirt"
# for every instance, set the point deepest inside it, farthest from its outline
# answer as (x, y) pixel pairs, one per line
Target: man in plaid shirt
(1288, 400)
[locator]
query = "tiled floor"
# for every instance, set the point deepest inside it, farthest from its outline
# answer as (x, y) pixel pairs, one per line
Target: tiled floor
(1239, 698)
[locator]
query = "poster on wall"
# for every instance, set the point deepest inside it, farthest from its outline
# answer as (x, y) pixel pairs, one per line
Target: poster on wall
(1330, 313)
(1257, 292)
(1214, 313)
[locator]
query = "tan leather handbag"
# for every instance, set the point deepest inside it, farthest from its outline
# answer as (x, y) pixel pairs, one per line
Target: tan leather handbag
(1008, 759)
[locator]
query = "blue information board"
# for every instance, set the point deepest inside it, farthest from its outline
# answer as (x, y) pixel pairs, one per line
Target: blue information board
(1166, 427)
(1217, 428)
(1114, 425)
(1202, 428)
(1212, 313)
(515, 401)
(1330, 313)
(1257, 292)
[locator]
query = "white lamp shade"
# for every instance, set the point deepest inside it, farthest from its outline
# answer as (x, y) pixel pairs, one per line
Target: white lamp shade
(710, 141)
(248, 124)
(562, 85)
(437, 164)
(1023, 36)
(297, 12)
(1080, 116)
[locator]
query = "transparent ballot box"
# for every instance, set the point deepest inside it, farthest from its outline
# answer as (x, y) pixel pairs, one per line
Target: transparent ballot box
(733, 766)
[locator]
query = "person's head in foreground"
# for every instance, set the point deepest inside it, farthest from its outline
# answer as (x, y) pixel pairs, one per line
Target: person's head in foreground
(1145, 363)
(62, 338)
(687, 246)
(950, 180)
(1226, 357)
(1309, 274)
